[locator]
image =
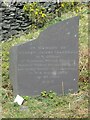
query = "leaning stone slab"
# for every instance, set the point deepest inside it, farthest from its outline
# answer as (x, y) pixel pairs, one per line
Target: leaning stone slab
(49, 62)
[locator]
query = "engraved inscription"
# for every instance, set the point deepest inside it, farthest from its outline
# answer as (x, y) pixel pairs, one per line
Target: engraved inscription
(47, 59)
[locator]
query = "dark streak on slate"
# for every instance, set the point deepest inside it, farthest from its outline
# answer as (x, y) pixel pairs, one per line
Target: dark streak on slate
(49, 62)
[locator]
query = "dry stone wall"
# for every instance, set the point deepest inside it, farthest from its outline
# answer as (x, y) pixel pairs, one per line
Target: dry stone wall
(13, 20)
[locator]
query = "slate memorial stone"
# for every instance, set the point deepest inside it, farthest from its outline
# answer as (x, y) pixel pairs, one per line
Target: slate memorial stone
(49, 62)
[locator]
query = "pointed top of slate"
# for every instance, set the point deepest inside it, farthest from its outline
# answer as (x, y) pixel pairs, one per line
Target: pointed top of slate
(49, 62)
(53, 30)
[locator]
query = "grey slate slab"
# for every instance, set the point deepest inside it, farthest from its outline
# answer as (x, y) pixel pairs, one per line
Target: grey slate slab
(49, 62)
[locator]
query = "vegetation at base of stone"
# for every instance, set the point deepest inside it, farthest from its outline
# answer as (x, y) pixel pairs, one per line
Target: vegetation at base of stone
(49, 104)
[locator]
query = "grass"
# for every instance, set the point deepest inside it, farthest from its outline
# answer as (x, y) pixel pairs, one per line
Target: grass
(48, 106)
(68, 106)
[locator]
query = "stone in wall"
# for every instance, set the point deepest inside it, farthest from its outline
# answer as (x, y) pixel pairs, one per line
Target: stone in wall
(13, 20)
